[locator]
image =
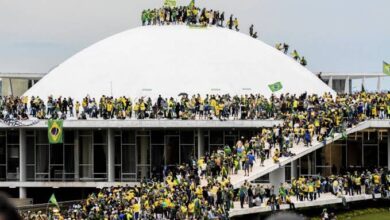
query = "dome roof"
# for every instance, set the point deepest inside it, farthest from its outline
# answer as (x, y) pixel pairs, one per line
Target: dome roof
(168, 60)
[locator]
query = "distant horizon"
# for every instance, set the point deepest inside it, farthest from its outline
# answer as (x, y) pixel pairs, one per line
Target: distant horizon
(334, 36)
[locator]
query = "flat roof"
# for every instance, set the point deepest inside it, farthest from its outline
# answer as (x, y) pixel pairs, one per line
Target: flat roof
(34, 76)
(150, 123)
(327, 75)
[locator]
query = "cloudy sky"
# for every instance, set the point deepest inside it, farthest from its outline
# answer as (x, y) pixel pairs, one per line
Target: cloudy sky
(334, 35)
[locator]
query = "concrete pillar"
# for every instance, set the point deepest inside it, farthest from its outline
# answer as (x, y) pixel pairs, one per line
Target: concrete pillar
(144, 145)
(22, 162)
(330, 82)
(294, 171)
(277, 177)
(22, 193)
(346, 88)
(388, 149)
(10, 86)
(378, 84)
(111, 155)
(200, 143)
(76, 156)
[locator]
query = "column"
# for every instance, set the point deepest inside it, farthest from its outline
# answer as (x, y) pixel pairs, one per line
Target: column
(294, 171)
(76, 156)
(388, 149)
(330, 82)
(22, 162)
(200, 143)
(111, 155)
(346, 88)
(144, 145)
(277, 177)
(378, 84)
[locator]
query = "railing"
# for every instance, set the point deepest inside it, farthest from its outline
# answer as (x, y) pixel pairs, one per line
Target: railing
(42, 207)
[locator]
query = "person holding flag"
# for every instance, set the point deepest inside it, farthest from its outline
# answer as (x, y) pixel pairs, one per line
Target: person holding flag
(53, 201)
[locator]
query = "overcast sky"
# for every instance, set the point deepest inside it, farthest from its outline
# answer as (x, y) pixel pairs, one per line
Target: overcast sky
(334, 35)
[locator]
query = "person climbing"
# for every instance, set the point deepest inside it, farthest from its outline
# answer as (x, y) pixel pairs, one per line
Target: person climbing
(251, 31)
(230, 22)
(285, 48)
(303, 61)
(236, 24)
(255, 35)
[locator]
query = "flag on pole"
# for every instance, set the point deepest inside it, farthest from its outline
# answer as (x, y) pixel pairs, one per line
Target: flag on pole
(386, 68)
(55, 131)
(53, 200)
(192, 4)
(331, 133)
(275, 87)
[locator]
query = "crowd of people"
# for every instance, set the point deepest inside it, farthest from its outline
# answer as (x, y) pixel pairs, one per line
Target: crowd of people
(193, 16)
(201, 188)
(295, 110)
(309, 188)
(190, 15)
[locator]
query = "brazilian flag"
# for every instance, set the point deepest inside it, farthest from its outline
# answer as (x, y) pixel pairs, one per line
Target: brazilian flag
(275, 87)
(192, 4)
(55, 131)
(386, 68)
(170, 3)
(53, 200)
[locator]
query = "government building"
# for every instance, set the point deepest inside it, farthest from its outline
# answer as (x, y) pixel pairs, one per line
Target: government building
(168, 60)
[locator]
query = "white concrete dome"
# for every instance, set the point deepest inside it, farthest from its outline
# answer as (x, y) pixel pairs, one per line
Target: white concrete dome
(168, 60)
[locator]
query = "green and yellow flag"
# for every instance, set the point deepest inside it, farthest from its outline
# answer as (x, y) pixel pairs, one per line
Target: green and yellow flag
(386, 68)
(55, 131)
(170, 3)
(192, 4)
(53, 200)
(275, 87)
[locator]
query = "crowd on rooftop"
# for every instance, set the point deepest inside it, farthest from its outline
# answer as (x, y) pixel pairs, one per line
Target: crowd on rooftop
(294, 110)
(190, 15)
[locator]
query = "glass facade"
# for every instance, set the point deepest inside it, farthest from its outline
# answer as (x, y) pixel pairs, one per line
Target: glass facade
(366, 149)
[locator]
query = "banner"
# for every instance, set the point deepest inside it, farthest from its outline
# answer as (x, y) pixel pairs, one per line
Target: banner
(55, 131)
(170, 3)
(275, 87)
(386, 68)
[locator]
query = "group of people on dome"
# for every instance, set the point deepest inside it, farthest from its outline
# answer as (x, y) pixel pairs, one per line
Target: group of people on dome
(190, 15)
(284, 47)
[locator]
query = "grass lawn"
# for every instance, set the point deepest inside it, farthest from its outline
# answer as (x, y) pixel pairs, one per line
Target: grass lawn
(372, 216)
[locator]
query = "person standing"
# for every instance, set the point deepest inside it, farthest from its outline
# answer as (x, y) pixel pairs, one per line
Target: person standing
(251, 30)
(242, 193)
(250, 196)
